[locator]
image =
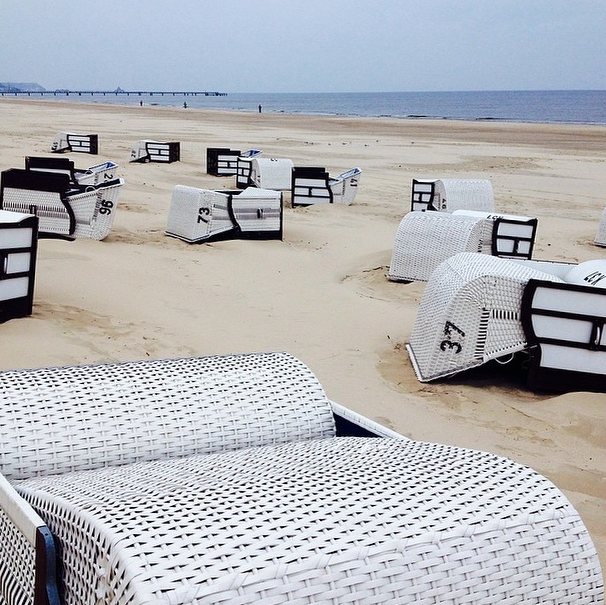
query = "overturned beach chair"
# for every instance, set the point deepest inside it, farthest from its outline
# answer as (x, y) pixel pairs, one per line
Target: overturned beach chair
(472, 312)
(600, 237)
(235, 480)
(63, 209)
(425, 239)
(448, 195)
(271, 173)
(244, 168)
(198, 215)
(18, 248)
(312, 185)
(81, 143)
(223, 161)
(164, 152)
(95, 175)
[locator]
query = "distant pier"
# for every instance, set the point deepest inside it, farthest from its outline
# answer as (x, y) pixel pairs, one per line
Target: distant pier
(106, 93)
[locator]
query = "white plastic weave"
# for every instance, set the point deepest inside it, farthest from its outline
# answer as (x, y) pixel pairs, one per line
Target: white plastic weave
(331, 521)
(469, 314)
(271, 173)
(600, 237)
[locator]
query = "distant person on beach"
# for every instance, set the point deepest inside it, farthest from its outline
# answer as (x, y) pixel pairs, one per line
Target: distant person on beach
(141, 103)
(260, 108)
(184, 104)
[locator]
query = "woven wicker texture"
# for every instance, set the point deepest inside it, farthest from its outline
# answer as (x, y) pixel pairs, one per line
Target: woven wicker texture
(257, 210)
(600, 237)
(469, 314)
(346, 520)
(453, 194)
(58, 420)
(271, 173)
(425, 239)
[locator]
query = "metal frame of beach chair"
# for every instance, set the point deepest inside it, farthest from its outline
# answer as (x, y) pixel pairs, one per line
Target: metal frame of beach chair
(600, 236)
(164, 152)
(18, 249)
(200, 215)
(95, 175)
(271, 173)
(64, 210)
(81, 143)
(448, 195)
(244, 166)
(254, 488)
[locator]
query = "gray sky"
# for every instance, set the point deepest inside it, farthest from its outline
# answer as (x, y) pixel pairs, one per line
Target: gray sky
(305, 45)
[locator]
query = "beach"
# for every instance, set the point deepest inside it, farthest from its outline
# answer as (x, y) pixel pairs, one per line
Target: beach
(321, 293)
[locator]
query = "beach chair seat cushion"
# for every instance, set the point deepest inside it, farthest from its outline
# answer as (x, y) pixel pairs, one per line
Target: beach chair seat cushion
(356, 519)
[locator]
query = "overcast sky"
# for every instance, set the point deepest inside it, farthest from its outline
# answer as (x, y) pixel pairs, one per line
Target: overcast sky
(304, 45)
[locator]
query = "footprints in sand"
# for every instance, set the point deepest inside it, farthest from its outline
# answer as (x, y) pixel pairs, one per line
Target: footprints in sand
(373, 283)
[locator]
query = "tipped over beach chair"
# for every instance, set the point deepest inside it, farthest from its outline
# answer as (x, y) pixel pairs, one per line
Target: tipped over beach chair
(271, 173)
(223, 161)
(63, 209)
(448, 195)
(244, 168)
(235, 479)
(95, 175)
(164, 152)
(473, 307)
(81, 143)
(600, 237)
(18, 248)
(312, 185)
(198, 215)
(425, 239)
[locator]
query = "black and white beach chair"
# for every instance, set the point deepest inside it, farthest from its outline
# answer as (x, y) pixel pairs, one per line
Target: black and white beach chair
(156, 151)
(313, 185)
(235, 479)
(18, 248)
(199, 215)
(478, 308)
(63, 209)
(223, 161)
(271, 173)
(81, 143)
(244, 168)
(95, 175)
(425, 239)
(448, 195)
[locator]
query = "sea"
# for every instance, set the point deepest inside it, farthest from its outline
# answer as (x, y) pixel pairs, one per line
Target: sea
(537, 106)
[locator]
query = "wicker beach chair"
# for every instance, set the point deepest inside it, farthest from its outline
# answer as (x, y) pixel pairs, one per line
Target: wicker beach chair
(165, 152)
(600, 236)
(448, 195)
(95, 175)
(271, 173)
(234, 479)
(70, 141)
(198, 215)
(223, 161)
(312, 185)
(18, 247)
(244, 168)
(63, 209)
(425, 239)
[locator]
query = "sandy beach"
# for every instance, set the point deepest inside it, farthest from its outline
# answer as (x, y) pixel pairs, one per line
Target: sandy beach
(321, 293)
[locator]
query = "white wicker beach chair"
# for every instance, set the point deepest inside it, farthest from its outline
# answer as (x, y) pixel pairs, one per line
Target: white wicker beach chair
(95, 175)
(271, 173)
(198, 215)
(234, 479)
(70, 141)
(312, 185)
(425, 239)
(244, 167)
(164, 152)
(600, 237)
(63, 209)
(448, 195)
(18, 247)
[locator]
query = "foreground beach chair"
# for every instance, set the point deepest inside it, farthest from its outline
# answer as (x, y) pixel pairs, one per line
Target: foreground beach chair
(425, 239)
(473, 308)
(271, 173)
(63, 209)
(235, 480)
(198, 215)
(448, 195)
(312, 185)
(95, 175)
(18, 248)
(600, 237)
(81, 143)
(156, 151)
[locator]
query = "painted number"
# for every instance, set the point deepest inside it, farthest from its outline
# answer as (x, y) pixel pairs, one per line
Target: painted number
(203, 215)
(453, 336)
(106, 207)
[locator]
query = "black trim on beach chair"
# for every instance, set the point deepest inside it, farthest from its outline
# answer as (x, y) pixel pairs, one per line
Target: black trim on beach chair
(219, 161)
(45, 590)
(522, 246)
(422, 199)
(315, 185)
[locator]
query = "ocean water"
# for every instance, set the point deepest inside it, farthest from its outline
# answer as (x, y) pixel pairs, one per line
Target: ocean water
(557, 106)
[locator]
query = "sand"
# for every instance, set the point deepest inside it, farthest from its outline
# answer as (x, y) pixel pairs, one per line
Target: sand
(322, 293)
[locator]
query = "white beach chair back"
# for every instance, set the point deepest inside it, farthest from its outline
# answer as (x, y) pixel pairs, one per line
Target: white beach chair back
(470, 314)
(258, 211)
(448, 195)
(244, 166)
(272, 173)
(345, 186)
(164, 152)
(80, 143)
(600, 237)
